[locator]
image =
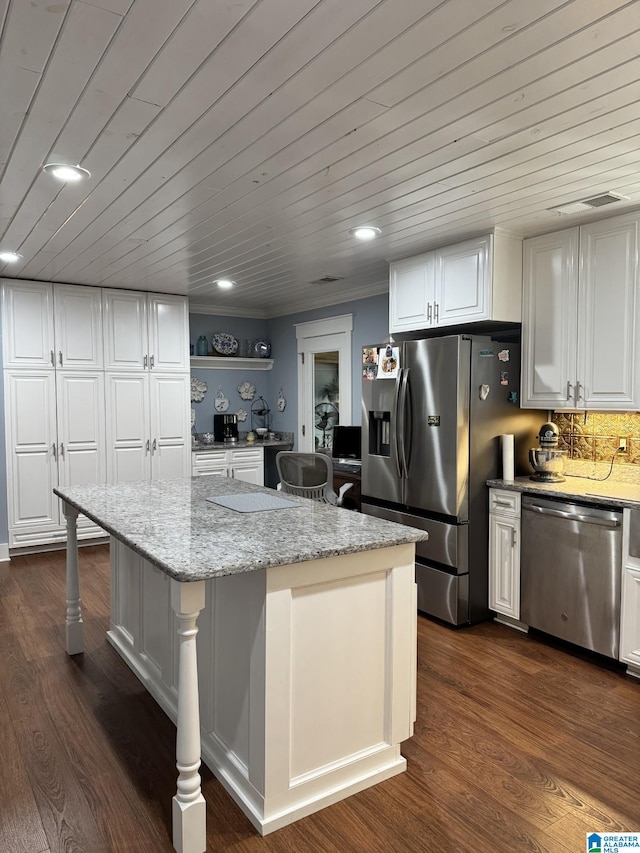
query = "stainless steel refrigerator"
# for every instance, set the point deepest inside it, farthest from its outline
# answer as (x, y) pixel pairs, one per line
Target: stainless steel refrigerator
(433, 412)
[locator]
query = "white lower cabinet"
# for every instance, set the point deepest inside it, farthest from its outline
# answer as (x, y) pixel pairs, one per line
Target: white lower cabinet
(246, 464)
(630, 599)
(55, 436)
(148, 428)
(504, 552)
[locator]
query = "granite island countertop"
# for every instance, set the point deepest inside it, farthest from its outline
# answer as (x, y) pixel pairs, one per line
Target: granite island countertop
(172, 525)
(610, 492)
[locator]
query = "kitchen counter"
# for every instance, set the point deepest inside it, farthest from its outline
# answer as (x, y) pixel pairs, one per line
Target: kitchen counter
(242, 444)
(172, 525)
(303, 685)
(588, 491)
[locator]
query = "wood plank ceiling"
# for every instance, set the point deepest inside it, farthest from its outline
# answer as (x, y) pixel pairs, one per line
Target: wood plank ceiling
(244, 138)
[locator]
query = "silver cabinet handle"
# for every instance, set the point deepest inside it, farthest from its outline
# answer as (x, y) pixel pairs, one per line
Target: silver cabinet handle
(436, 312)
(429, 312)
(569, 391)
(148, 445)
(60, 357)
(53, 450)
(578, 393)
(145, 361)
(53, 358)
(502, 503)
(513, 537)
(154, 446)
(151, 362)
(62, 448)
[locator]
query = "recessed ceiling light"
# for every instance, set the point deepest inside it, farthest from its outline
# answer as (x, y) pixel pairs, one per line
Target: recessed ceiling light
(365, 232)
(9, 257)
(64, 172)
(225, 283)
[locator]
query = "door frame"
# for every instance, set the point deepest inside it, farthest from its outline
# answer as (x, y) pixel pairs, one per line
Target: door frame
(332, 333)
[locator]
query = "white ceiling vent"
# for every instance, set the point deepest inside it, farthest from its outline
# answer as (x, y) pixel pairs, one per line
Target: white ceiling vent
(590, 203)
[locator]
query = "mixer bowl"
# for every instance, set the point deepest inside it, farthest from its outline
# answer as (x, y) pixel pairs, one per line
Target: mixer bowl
(548, 463)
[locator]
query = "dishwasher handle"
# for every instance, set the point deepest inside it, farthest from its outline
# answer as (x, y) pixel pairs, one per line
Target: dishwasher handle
(573, 516)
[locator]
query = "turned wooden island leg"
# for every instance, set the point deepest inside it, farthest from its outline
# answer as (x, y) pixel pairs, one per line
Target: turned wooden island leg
(188, 808)
(74, 629)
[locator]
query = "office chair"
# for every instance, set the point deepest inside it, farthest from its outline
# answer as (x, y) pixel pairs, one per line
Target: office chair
(309, 475)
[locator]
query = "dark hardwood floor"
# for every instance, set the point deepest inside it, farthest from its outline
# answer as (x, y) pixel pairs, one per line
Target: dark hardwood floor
(518, 746)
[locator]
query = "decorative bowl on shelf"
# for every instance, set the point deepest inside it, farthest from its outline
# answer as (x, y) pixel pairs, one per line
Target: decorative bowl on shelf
(262, 431)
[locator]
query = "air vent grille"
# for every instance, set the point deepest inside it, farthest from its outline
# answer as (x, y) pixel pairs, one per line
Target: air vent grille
(327, 279)
(589, 203)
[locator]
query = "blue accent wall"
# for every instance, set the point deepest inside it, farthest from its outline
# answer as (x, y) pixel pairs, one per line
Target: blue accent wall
(370, 325)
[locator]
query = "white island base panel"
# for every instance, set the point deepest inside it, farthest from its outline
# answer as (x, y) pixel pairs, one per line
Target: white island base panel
(307, 673)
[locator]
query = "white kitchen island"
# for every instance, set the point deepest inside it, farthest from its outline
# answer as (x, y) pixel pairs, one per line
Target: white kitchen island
(303, 686)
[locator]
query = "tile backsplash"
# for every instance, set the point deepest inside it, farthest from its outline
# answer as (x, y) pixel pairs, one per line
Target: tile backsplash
(594, 436)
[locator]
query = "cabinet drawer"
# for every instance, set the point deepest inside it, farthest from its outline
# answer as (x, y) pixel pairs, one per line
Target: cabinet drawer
(208, 458)
(504, 502)
(245, 456)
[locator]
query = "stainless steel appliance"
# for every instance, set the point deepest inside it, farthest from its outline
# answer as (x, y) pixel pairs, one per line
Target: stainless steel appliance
(225, 428)
(547, 460)
(430, 440)
(570, 574)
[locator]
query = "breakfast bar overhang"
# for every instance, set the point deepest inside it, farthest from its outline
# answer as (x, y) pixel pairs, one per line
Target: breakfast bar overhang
(303, 685)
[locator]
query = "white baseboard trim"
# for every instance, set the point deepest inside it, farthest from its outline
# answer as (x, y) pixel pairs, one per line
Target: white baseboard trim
(4, 552)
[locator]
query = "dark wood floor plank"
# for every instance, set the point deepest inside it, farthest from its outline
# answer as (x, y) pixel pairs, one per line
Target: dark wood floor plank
(21, 829)
(519, 746)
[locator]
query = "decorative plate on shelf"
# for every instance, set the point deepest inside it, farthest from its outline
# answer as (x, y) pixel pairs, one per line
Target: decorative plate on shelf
(247, 391)
(224, 344)
(262, 348)
(198, 390)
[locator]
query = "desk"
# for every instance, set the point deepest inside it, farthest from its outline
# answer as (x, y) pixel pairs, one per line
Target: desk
(255, 588)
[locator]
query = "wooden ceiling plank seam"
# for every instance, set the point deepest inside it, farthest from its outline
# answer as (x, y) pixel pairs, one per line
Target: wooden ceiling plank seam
(111, 77)
(166, 123)
(84, 30)
(377, 109)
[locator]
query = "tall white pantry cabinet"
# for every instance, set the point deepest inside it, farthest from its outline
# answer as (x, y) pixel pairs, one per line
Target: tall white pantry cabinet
(57, 345)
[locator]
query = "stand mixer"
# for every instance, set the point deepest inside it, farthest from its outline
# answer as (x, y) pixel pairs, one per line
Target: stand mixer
(547, 461)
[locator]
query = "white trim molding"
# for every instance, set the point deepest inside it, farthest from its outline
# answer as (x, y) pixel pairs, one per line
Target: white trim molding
(4, 552)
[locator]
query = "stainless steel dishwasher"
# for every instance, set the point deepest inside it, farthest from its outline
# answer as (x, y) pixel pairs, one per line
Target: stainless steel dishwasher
(571, 562)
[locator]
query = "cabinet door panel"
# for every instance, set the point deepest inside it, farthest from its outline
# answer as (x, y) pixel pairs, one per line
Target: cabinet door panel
(608, 316)
(31, 436)
(27, 320)
(78, 326)
(463, 282)
(168, 333)
(411, 293)
(81, 429)
(171, 426)
(630, 617)
(504, 562)
(248, 474)
(125, 330)
(549, 321)
(128, 440)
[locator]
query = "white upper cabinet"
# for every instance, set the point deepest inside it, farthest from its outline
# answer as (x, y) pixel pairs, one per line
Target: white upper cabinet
(478, 279)
(412, 293)
(50, 326)
(581, 308)
(146, 331)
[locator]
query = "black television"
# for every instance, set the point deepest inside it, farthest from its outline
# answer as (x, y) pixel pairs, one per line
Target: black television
(346, 442)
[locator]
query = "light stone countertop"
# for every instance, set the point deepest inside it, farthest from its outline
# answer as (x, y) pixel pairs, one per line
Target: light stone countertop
(242, 444)
(611, 492)
(172, 525)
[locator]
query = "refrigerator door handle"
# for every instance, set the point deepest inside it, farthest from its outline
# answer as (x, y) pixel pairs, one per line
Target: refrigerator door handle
(399, 418)
(402, 427)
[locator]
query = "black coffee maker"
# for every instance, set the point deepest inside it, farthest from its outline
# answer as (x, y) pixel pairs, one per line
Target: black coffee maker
(225, 428)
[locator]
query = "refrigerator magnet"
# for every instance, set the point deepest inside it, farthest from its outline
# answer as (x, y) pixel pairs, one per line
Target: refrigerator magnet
(504, 377)
(369, 355)
(388, 362)
(503, 355)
